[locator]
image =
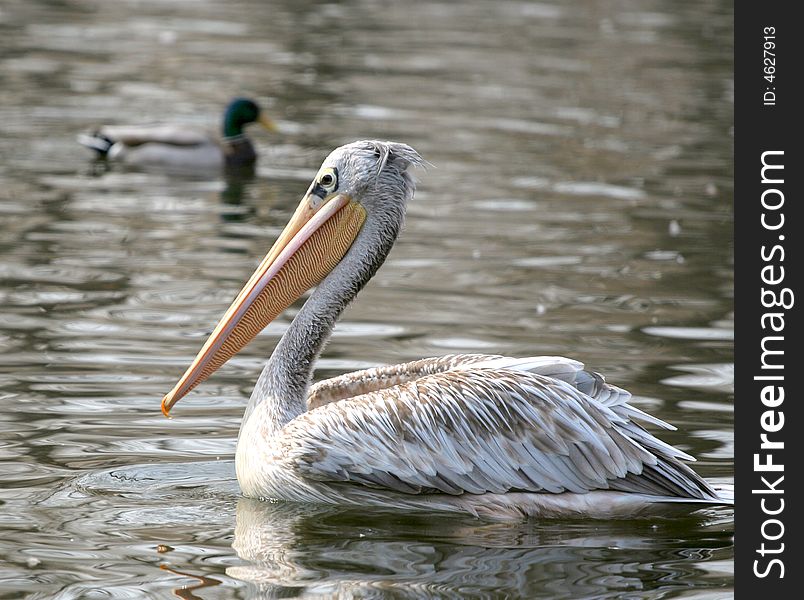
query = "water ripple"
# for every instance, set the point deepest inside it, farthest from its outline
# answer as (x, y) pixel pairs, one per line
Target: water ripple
(579, 203)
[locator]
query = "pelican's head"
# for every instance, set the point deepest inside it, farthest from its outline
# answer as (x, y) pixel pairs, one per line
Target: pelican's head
(373, 173)
(362, 182)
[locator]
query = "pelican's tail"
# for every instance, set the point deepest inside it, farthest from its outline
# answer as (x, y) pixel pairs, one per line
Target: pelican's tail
(723, 495)
(96, 141)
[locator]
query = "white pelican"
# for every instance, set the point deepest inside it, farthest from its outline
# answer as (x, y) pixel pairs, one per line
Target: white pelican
(178, 146)
(492, 436)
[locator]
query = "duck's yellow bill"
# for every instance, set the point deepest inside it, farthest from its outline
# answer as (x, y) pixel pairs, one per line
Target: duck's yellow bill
(267, 123)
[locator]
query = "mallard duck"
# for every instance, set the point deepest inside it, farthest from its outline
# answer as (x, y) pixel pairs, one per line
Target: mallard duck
(182, 146)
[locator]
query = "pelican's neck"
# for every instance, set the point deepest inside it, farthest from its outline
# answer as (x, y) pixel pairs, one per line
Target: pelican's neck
(282, 386)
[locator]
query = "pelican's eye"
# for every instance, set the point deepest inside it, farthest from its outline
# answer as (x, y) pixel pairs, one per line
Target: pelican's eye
(329, 180)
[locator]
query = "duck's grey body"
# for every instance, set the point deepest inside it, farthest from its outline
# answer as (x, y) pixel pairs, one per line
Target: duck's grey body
(172, 146)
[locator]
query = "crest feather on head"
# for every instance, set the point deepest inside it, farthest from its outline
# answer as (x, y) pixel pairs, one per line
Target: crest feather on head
(395, 154)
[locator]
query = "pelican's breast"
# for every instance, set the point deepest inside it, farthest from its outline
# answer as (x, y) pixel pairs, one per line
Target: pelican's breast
(262, 465)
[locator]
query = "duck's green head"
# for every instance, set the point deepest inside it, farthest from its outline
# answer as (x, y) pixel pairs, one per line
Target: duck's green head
(241, 112)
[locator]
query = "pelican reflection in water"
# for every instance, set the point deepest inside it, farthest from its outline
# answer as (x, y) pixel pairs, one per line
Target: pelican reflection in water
(293, 550)
(492, 436)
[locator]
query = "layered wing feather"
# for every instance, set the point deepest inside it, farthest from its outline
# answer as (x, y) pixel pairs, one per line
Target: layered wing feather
(486, 424)
(361, 382)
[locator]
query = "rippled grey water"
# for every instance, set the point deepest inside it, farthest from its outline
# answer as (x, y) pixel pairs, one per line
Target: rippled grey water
(580, 203)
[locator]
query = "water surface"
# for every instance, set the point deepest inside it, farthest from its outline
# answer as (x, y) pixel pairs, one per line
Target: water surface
(579, 204)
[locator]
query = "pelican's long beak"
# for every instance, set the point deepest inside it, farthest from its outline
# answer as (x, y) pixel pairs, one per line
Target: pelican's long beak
(313, 242)
(267, 123)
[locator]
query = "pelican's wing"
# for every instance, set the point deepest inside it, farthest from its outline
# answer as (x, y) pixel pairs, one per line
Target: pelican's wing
(571, 371)
(480, 429)
(135, 135)
(357, 383)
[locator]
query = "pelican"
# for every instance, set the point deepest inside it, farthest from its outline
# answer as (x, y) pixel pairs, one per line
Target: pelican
(180, 146)
(493, 436)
